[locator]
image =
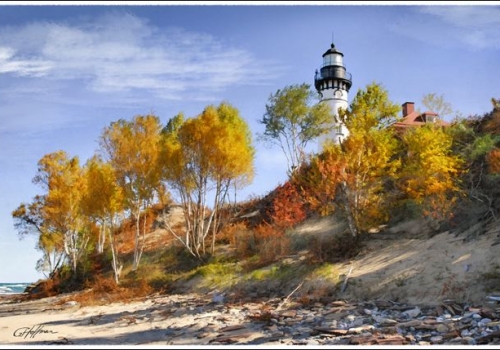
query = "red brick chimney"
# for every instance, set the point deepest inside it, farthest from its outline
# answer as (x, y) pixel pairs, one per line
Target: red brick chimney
(408, 107)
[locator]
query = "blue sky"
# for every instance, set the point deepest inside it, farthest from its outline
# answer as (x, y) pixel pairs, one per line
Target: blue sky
(66, 72)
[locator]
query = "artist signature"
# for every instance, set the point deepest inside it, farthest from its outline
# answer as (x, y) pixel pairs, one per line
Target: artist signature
(27, 332)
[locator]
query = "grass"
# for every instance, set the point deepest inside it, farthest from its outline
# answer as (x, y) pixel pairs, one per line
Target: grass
(170, 268)
(400, 281)
(217, 274)
(260, 274)
(327, 271)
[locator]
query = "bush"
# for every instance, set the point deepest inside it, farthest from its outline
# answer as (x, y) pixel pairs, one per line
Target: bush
(288, 207)
(334, 248)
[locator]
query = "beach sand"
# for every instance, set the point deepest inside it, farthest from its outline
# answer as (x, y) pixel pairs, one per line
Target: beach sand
(152, 321)
(403, 265)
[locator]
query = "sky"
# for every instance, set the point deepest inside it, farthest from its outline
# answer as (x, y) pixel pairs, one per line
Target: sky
(67, 72)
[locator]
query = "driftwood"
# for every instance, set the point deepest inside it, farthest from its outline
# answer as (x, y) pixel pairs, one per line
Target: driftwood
(344, 285)
(289, 295)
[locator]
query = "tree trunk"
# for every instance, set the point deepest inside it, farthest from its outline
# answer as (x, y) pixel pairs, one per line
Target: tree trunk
(116, 269)
(102, 239)
(344, 198)
(136, 242)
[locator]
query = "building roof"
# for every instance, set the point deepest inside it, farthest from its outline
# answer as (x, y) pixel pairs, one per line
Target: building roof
(415, 118)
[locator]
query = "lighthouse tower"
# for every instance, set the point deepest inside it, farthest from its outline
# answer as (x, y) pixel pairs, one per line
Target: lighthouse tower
(333, 84)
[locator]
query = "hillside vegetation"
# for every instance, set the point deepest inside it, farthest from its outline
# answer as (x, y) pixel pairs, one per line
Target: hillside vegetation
(405, 217)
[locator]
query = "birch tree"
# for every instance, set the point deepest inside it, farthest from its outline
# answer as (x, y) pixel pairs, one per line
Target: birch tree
(132, 149)
(293, 118)
(103, 202)
(355, 176)
(202, 158)
(61, 177)
(29, 218)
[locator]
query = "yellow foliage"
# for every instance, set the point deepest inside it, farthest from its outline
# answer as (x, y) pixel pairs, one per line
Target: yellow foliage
(354, 176)
(430, 170)
(208, 153)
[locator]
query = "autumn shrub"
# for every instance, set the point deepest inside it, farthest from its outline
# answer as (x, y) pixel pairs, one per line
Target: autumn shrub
(493, 160)
(230, 233)
(288, 208)
(46, 288)
(271, 243)
(138, 288)
(245, 243)
(492, 122)
(101, 284)
(333, 248)
(161, 283)
(103, 290)
(273, 248)
(318, 182)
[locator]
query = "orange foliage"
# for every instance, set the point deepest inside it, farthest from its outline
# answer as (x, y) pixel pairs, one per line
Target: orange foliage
(268, 241)
(271, 242)
(103, 290)
(265, 231)
(231, 233)
(288, 208)
(318, 181)
(46, 288)
(492, 124)
(126, 233)
(493, 159)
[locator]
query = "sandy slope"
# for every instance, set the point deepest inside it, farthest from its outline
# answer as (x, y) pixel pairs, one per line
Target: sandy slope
(402, 264)
(405, 265)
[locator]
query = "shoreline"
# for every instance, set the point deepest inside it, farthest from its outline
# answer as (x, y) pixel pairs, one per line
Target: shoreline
(12, 297)
(197, 320)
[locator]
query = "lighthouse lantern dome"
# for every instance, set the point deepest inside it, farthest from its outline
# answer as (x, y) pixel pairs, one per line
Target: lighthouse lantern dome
(333, 57)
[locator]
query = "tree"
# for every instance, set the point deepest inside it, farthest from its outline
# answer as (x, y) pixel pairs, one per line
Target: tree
(61, 177)
(496, 103)
(430, 170)
(370, 157)
(205, 156)
(133, 149)
(30, 219)
(356, 175)
(493, 159)
(437, 103)
(492, 119)
(474, 140)
(291, 122)
(103, 202)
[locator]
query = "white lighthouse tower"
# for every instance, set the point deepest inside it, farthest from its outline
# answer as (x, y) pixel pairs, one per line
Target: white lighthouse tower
(333, 84)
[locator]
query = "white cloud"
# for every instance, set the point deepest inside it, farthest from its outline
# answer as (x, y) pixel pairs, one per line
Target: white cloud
(22, 67)
(467, 16)
(478, 27)
(468, 27)
(121, 52)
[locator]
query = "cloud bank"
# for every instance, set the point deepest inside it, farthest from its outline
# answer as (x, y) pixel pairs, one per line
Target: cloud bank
(469, 27)
(120, 52)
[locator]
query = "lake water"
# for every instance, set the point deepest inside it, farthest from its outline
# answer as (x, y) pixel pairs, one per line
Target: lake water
(12, 288)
